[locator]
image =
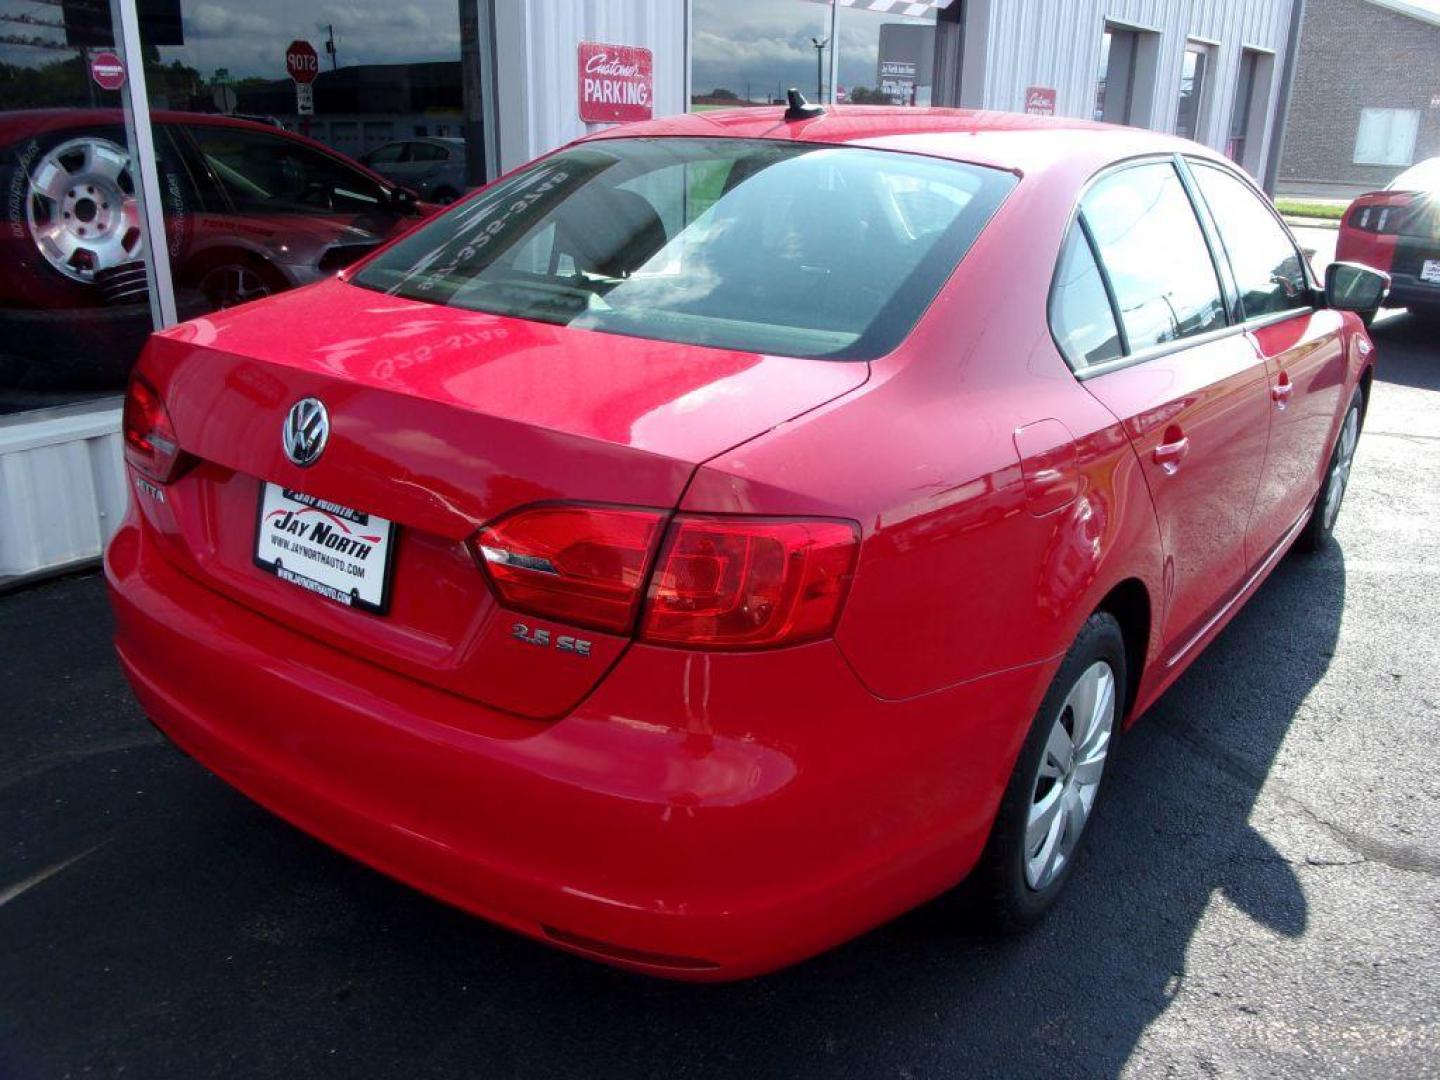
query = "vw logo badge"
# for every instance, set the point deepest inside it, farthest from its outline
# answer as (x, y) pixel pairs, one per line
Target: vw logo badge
(307, 427)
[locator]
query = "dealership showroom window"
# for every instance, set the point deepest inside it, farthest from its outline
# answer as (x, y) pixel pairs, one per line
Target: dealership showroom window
(246, 211)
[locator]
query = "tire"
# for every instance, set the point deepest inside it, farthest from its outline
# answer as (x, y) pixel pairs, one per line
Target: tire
(1018, 881)
(1321, 526)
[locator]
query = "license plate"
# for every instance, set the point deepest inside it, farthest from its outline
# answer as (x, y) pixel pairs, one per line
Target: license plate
(339, 553)
(1430, 271)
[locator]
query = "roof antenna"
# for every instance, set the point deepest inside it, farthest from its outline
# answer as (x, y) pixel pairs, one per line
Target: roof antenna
(800, 109)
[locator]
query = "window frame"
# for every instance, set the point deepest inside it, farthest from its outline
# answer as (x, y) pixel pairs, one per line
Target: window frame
(1255, 322)
(1219, 263)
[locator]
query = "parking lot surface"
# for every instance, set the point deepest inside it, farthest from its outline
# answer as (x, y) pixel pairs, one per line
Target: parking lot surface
(1260, 895)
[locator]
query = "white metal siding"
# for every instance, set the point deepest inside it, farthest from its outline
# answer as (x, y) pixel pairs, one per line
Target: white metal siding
(536, 45)
(1057, 43)
(62, 488)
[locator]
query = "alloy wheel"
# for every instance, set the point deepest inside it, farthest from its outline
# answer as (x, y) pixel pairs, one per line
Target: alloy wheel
(1340, 467)
(82, 212)
(1068, 779)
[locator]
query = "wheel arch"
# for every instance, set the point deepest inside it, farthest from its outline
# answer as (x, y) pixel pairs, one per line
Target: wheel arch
(205, 257)
(1130, 604)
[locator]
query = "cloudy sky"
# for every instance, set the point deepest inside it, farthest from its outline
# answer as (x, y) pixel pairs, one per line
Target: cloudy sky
(766, 43)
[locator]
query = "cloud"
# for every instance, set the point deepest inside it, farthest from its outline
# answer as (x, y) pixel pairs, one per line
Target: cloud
(213, 21)
(765, 44)
(251, 40)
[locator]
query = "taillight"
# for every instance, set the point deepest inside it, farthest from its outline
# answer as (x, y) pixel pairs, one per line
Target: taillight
(150, 443)
(719, 582)
(749, 583)
(1384, 218)
(580, 564)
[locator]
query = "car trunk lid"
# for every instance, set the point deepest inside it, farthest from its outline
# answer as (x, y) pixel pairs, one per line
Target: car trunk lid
(442, 420)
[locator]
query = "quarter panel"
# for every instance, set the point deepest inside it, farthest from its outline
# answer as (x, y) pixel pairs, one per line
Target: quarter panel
(957, 576)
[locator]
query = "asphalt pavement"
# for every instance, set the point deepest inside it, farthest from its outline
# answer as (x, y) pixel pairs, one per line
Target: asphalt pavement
(1260, 895)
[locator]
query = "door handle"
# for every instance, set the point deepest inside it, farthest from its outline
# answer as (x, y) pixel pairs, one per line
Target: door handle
(1281, 391)
(1170, 452)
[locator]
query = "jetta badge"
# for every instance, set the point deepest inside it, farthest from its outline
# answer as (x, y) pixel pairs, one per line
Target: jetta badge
(307, 427)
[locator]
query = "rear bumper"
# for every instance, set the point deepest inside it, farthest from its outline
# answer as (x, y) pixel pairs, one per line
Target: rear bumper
(699, 816)
(1408, 289)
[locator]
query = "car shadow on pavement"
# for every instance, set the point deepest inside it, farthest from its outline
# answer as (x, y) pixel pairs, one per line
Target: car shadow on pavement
(1414, 363)
(205, 937)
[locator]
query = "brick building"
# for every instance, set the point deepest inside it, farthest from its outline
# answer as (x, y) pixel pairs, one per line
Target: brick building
(1365, 101)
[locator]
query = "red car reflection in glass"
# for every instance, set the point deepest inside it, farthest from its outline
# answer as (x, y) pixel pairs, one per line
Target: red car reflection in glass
(774, 522)
(249, 210)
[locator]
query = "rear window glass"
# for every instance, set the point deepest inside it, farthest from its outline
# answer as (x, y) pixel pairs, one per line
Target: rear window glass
(761, 246)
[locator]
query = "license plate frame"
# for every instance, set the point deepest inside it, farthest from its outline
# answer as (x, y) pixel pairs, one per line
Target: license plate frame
(313, 569)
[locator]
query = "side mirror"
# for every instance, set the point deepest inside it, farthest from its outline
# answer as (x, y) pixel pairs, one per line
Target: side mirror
(1352, 287)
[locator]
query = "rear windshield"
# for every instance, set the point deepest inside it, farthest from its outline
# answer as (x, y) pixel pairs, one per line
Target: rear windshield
(762, 246)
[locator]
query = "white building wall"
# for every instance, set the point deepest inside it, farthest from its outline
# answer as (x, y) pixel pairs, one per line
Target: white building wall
(1056, 43)
(536, 47)
(62, 487)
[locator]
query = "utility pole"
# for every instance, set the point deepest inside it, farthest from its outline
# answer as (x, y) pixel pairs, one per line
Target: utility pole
(834, 49)
(330, 44)
(819, 44)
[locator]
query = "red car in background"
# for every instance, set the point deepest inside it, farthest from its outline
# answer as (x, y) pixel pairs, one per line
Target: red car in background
(249, 210)
(1398, 230)
(732, 530)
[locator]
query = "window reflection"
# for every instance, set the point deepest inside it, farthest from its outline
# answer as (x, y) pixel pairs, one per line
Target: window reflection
(1155, 254)
(1267, 268)
(751, 51)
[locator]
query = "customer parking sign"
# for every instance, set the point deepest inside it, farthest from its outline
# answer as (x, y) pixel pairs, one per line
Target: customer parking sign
(616, 83)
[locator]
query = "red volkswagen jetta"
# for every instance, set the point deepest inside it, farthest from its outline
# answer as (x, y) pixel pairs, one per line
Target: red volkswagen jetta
(730, 531)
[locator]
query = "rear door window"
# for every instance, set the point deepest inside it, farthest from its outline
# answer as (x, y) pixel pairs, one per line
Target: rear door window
(1268, 272)
(390, 154)
(1158, 263)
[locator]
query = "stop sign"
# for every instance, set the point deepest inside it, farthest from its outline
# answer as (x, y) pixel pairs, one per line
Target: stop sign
(302, 62)
(107, 71)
